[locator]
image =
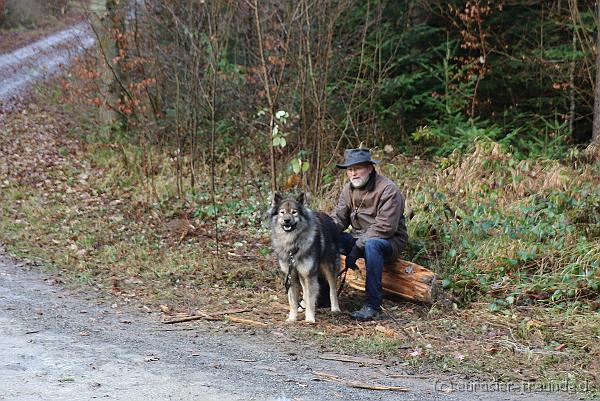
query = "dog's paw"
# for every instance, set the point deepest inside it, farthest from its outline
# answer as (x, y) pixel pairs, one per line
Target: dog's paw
(292, 318)
(336, 310)
(309, 319)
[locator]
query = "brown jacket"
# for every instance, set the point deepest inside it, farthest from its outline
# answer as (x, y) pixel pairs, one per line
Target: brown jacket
(379, 212)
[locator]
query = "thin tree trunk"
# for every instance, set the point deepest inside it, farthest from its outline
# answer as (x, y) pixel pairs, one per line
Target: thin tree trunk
(2, 8)
(265, 77)
(596, 126)
(107, 51)
(214, 65)
(572, 78)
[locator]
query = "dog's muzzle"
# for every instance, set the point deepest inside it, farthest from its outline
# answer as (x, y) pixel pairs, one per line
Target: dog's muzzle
(288, 226)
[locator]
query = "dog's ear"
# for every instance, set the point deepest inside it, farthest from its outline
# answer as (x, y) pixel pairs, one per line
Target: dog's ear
(276, 199)
(300, 198)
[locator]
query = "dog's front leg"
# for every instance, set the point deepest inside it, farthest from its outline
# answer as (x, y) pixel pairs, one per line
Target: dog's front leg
(293, 289)
(310, 290)
(293, 297)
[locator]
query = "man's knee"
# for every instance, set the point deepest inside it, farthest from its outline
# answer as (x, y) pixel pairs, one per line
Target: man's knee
(378, 245)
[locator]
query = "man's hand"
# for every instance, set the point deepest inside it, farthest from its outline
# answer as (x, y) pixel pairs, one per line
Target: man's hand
(352, 257)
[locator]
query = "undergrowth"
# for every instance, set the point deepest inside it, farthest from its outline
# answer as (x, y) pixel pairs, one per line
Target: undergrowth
(516, 232)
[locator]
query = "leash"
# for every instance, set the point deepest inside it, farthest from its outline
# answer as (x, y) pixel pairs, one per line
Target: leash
(343, 282)
(291, 266)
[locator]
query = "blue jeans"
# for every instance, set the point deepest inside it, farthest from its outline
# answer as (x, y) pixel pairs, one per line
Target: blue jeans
(377, 251)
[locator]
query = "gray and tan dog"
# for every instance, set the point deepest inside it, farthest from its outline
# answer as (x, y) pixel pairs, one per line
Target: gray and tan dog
(306, 246)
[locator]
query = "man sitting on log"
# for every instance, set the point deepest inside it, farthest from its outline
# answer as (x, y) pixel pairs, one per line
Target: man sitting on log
(374, 207)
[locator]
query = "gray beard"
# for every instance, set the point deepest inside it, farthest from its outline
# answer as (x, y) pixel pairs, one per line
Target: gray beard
(360, 183)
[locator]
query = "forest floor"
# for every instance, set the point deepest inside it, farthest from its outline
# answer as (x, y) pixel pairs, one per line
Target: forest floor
(71, 206)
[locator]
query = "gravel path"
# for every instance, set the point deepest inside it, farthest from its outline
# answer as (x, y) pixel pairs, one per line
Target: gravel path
(56, 344)
(20, 68)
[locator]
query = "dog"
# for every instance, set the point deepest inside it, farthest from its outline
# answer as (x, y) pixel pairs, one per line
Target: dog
(306, 246)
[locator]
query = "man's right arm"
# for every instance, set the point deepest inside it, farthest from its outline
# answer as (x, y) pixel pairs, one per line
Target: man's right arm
(341, 213)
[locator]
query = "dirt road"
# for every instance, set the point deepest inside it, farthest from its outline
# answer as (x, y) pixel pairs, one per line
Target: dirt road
(24, 66)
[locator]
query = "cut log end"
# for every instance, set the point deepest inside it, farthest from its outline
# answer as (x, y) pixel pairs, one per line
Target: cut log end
(400, 280)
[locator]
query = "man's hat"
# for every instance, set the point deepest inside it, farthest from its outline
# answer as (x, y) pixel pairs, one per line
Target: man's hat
(357, 156)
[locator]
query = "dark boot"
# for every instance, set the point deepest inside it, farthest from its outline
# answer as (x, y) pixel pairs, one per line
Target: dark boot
(367, 312)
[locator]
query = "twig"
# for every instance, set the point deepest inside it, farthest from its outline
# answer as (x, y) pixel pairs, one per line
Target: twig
(356, 384)
(353, 359)
(177, 329)
(186, 319)
(231, 311)
(202, 315)
(246, 321)
(405, 376)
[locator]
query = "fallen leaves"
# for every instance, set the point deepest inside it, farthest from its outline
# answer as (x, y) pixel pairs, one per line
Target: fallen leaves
(388, 332)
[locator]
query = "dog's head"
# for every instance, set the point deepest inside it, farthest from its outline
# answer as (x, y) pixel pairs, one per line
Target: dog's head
(287, 213)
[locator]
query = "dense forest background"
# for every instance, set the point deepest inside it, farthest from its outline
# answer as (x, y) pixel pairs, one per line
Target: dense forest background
(293, 83)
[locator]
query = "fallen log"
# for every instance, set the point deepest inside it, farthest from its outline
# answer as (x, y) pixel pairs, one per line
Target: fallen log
(401, 279)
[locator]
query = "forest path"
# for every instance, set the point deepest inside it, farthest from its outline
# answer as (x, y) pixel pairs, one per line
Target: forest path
(20, 68)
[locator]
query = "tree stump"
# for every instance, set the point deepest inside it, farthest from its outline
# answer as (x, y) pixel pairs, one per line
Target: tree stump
(400, 280)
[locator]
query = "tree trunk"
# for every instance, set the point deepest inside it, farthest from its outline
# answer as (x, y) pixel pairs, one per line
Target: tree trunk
(596, 127)
(107, 51)
(2, 10)
(267, 86)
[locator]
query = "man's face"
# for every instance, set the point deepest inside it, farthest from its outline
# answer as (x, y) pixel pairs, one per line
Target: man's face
(359, 174)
